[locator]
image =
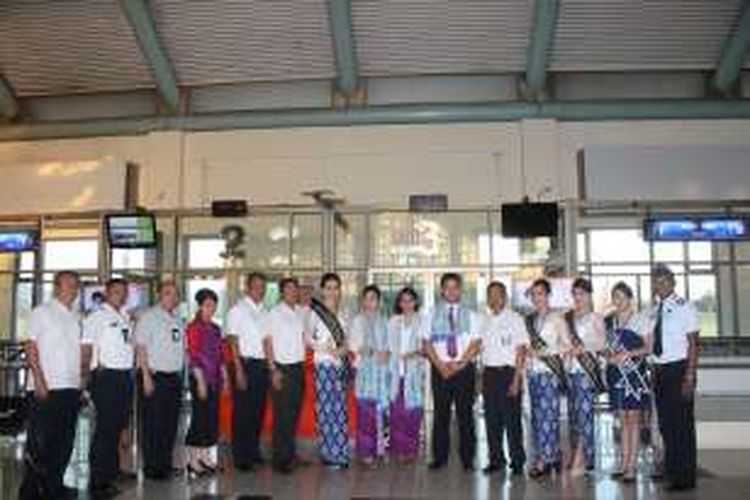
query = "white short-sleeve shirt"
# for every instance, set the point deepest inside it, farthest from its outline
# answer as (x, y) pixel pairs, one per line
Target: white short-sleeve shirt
(502, 334)
(56, 330)
(463, 339)
(590, 329)
(285, 326)
(245, 320)
(162, 335)
(679, 318)
(110, 333)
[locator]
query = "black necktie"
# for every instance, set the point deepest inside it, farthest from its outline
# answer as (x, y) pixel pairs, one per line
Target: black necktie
(657, 331)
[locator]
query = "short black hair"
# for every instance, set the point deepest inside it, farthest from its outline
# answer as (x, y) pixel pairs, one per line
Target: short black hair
(285, 282)
(582, 284)
(255, 275)
(330, 277)
(499, 285)
(623, 288)
(544, 283)
(371, 289)
(407, 290)
(205, 294)
(661, 270)
(59, 275)
(451, 276)
(113, 282)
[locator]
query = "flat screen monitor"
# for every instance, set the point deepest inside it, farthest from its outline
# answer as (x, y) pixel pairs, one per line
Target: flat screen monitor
(131, 231)
(697, 229)
(529, 220)
(17, 240)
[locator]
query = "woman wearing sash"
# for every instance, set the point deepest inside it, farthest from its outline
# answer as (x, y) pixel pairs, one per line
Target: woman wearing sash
(369, 344)
(407, 375)
(628, 343)
(548, 339)
(327, 339)
(586, 331)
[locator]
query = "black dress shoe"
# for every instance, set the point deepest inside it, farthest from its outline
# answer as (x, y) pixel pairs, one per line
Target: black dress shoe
(435, 465)
(516, 470)
(243, 467)
(468, 468)
(680, 486)
(125, 476)
(283, 469)
(69, 493)
(259, 461)
(103, 491)
(491, 469)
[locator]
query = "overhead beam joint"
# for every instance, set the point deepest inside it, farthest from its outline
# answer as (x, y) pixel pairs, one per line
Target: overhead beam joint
(728, 70)
(344, 50)
(541, 39)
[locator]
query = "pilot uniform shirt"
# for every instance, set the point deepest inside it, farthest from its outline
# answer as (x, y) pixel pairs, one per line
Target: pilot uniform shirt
(162, 334)
(679, 318)
(502, 334)
(110, 333)
(56, 330)
(464, 323)
(245, 320)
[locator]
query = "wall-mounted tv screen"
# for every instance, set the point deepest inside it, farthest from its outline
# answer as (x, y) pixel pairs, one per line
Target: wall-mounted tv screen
(18, 240)
(697, 229)
(131, 231)
(529, 220)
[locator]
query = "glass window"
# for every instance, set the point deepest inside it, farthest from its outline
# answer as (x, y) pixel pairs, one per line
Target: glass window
(205, 253)
(743, 299)
(618, 246)
(307, 241)
(351, 241)
(700, 254)
(703, 296)
(671, 253)
(123, 258)
(71, 254)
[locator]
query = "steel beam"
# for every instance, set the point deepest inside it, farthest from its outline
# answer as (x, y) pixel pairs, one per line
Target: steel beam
(730, 65)
(342, 38)
(142, 21)
(544, 23)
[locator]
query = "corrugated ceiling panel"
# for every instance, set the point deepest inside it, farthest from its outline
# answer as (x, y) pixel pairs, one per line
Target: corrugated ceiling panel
(245, 40)
(612, 35)
(399, 37)
(58, 47)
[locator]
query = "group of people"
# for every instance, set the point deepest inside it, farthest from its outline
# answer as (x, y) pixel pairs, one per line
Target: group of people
(577, 354)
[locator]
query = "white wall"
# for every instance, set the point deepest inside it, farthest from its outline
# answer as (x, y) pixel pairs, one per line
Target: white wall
(476, 164)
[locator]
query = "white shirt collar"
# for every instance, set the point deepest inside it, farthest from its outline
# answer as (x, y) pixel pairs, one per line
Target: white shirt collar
(57, 303)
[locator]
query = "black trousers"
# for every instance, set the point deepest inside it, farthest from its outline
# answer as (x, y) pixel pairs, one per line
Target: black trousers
(249, 407)
(49, 443)
(160, 416)
(286, 407)
(204, 417)
(676, 424)
(458, 390)
(502, 416)
(112, 393)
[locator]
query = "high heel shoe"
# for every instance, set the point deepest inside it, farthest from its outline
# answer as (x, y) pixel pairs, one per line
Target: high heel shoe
(538, 472)
(209, 468)
(193, 472)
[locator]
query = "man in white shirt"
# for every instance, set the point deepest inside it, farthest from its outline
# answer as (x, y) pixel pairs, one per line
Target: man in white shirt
(451, 342)
(108, 339)
(250, 381)
(504, 341)
(52, 347)
(285, 354)
(675, 357)
(160, 350)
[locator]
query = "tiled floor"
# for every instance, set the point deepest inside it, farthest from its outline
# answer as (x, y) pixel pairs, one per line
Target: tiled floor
(724, 474)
